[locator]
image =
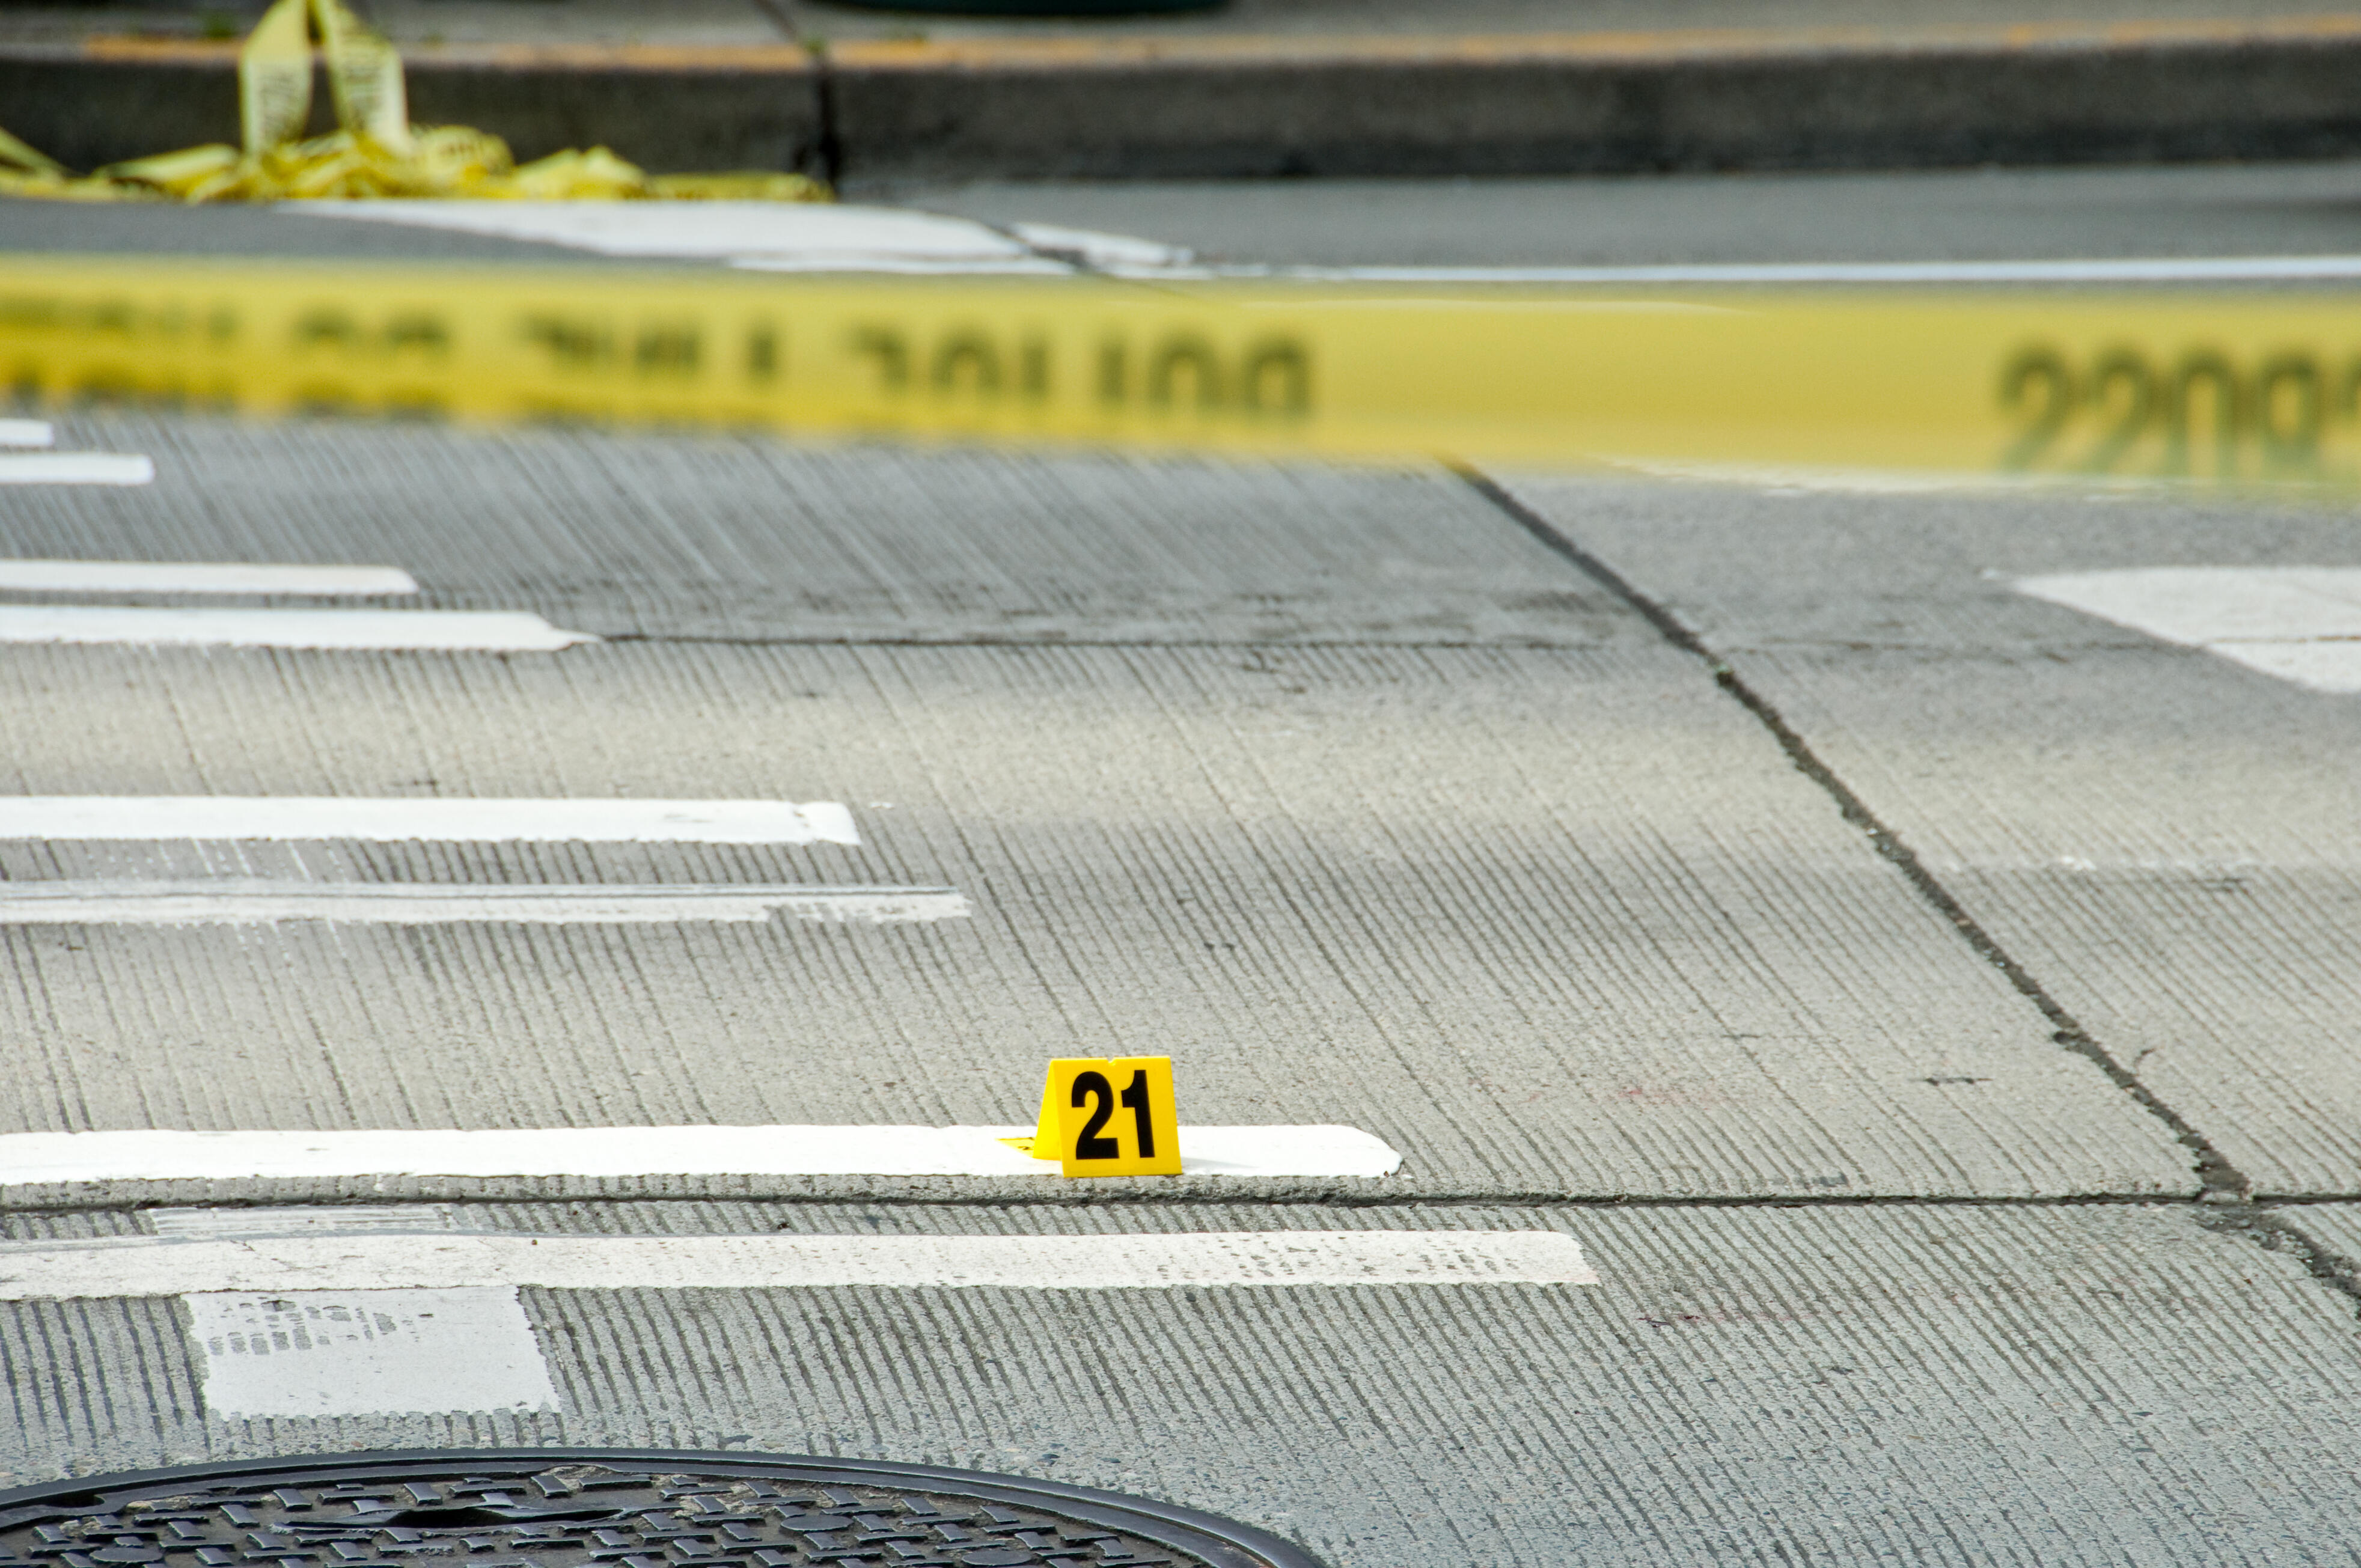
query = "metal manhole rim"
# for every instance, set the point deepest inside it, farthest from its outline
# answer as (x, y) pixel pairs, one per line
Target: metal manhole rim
(1227, 1537)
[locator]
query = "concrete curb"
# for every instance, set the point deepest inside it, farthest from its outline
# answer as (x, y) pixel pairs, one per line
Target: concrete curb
(1599, 103)
(107, 100)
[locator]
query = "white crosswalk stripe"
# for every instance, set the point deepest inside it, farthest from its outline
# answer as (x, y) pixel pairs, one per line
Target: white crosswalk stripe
(75, 468)
(2298, 623)
(226, 900)
(486, 1261)
(404, 818)
(201, 577)
(491, 631)
(162, 1154)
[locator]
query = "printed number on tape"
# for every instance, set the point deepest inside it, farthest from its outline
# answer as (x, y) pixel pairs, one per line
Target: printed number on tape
(1105, 1116)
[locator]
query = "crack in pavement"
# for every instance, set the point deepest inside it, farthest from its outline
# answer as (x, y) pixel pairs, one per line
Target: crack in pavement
(2226, 1189)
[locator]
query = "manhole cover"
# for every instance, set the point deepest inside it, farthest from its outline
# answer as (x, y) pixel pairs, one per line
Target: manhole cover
(577, 1508)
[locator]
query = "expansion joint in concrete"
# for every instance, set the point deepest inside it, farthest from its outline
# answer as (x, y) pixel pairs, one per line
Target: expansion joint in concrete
(2271, 1229)
(2222, 1180)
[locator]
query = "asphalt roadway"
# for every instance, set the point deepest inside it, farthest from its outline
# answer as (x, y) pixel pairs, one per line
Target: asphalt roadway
(1931, 1009)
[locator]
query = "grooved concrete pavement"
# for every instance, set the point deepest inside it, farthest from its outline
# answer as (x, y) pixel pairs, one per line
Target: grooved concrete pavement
(2164, 836)
(2335, 1227)
(697, 538)
(1926, 1385)
(1555, 920)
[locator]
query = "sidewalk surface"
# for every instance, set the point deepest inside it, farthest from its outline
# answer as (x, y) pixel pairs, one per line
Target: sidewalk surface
(1269, 87)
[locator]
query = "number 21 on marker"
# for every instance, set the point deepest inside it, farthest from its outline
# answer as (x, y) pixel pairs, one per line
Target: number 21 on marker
(1110, 1118)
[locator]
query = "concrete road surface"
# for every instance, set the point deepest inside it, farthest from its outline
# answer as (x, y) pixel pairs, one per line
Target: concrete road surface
(1902, 940)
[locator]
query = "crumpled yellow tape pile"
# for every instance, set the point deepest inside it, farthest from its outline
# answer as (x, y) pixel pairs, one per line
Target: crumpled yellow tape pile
(375, 151)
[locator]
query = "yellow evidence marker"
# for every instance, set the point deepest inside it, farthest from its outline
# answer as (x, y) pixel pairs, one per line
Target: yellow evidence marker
(1105, 1116)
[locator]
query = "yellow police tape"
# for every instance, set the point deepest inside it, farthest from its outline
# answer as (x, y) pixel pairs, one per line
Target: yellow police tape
(375, 151)
(2164, 385)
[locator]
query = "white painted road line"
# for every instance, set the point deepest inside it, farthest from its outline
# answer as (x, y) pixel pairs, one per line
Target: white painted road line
(354, 1352)
(1096, 247)
(27, 433)
(147, 1154)
(1791, 480)
(229, 902)
(774, 235)
(841, 233)
(75, 468)
(143, 1266)
(417, 631)
(908, 267)
(2299, 623)
(200, 578)
(377, 820)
